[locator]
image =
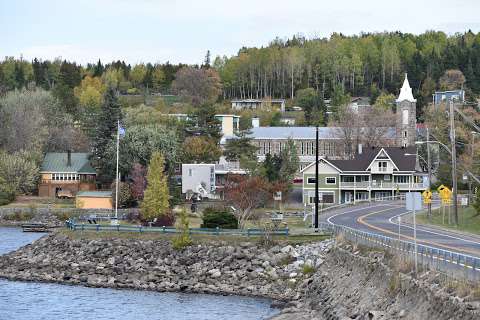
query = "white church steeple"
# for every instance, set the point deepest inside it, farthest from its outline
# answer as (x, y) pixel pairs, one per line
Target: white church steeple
(406, 92)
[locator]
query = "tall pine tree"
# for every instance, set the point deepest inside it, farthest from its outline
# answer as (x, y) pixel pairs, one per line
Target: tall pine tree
(105, 131)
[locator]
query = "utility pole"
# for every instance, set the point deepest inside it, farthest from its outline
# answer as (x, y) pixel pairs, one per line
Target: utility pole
(316, 178)
(429, 164)
(454, 162)
(470, 195)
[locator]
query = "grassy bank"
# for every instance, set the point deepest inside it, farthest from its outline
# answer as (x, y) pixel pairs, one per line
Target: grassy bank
(197, 238)
(468, 220)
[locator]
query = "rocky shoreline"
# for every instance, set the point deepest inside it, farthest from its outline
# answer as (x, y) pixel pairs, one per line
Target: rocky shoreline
(321, 280)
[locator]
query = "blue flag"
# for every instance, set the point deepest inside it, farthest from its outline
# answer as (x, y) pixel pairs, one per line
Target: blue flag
(121, 131)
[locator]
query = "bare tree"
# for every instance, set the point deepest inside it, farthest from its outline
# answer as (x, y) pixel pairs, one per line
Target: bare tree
(197, 86)
(246, 194)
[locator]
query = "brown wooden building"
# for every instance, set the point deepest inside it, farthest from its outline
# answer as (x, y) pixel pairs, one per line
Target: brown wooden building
(66, 172)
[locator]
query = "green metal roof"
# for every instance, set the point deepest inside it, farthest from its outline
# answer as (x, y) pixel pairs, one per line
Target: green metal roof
(57, 162)
(95, 194)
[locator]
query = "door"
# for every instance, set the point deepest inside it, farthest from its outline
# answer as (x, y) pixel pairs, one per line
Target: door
(348, 197)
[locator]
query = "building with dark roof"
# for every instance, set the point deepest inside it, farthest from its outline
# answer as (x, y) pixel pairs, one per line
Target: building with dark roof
(334, 141)
(66, 172)
(271, 140)
(374, 173)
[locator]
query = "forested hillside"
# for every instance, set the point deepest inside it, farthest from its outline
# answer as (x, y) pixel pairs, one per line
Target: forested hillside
(361, 64)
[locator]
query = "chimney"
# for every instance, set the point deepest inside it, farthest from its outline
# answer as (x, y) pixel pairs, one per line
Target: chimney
(360, 148)
(255, 122)
(69, 158)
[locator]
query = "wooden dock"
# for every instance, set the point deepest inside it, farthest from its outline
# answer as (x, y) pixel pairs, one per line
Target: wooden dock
(35, 227)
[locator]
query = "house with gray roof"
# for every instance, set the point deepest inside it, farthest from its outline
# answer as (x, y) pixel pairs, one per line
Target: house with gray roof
(271, 140)
(68, 172)
(336, 143)
(374, 173)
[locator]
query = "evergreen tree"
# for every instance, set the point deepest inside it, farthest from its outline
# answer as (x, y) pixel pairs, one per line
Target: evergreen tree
(155, 199)
(99, 69)
(68, 78)
(272, 166)
(289, 162)
(38, 73)
(19, 76)
(241, 147)
(105, 132)
(203, 122)
(206, 63)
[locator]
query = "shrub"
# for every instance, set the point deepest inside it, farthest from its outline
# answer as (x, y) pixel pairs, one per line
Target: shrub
(213, 218)
(19, 216)
(308, 269)
(6, 197)
(166, 220)
(183, 239)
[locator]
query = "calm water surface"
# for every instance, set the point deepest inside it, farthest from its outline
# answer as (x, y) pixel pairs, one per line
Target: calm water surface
(32, 301)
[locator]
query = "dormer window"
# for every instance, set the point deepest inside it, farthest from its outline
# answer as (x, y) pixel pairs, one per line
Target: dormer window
(382, 166)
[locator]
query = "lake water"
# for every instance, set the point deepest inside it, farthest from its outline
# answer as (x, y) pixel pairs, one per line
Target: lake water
(32, 301)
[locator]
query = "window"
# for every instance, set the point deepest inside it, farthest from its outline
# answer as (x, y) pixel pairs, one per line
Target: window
(361, 196)
(190, 171)
(405, 117)
(382, 166)
(326, 197)
(311, 180)
(404, 134)
(386, 177)
(401, 179)
(330, 180)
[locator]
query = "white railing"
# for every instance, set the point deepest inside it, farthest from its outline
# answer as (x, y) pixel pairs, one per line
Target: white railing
(453, 264)
(381, 184)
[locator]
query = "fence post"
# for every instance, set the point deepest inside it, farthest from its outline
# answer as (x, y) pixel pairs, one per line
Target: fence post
(286, 231)
(140, 229)
(217, 231)
(98, 227)
(248, 232)
(118, 227)
(163, 229)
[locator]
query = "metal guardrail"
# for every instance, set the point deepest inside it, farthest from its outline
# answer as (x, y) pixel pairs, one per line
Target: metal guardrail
(454, 264)
(169, 230)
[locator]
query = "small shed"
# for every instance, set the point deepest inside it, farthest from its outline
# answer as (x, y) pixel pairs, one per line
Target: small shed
(94, 200)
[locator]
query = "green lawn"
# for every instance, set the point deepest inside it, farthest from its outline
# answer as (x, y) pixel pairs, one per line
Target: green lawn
(468, 220)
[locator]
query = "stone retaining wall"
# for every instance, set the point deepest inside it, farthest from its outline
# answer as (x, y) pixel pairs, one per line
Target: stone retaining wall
(313, 281)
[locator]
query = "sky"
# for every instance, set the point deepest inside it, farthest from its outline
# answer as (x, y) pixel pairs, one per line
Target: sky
(183, 30)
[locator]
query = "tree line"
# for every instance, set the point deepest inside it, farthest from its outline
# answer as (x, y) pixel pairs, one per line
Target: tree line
(362, 65)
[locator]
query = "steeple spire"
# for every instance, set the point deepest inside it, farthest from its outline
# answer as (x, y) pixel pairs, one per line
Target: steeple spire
(406, 92)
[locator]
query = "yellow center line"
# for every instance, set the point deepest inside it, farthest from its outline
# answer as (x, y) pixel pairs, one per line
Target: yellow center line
(361, 221)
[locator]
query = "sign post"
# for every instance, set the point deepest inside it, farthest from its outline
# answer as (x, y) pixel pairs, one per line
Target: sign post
(414, 203)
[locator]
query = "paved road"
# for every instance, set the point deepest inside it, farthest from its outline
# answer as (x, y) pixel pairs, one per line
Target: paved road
(381, 218)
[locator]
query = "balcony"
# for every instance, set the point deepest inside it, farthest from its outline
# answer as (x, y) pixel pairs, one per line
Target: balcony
(49, 181)
(382, 185)
(358, 185)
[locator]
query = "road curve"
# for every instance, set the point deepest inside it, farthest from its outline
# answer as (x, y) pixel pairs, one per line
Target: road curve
(381, 218)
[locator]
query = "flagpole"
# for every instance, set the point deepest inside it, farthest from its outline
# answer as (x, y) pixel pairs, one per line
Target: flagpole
(116, 176)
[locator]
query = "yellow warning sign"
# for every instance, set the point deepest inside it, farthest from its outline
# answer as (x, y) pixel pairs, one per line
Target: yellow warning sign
(427, 196)
(445, 194)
